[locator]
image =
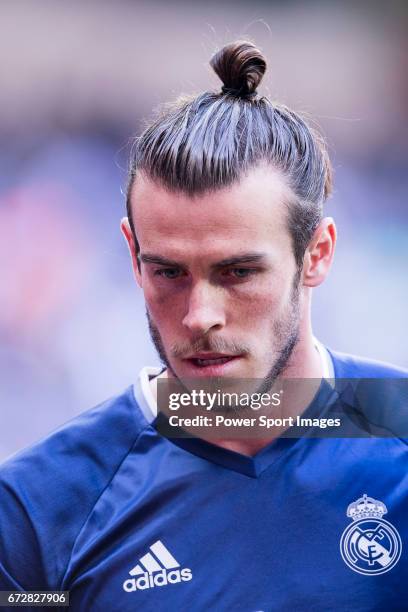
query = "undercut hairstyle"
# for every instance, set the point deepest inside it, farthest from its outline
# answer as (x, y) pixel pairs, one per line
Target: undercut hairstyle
(199, 144)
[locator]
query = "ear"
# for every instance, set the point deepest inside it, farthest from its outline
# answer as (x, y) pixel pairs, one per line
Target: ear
(133, 249)
(319, 254)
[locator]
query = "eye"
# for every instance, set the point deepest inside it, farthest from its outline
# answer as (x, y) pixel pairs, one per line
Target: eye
(240, 273)
(169, 273)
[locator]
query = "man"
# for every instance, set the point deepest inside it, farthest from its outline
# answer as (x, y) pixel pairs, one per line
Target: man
(227, 238)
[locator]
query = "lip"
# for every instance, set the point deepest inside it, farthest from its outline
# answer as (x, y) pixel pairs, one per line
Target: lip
(204, 355)
(221, 369)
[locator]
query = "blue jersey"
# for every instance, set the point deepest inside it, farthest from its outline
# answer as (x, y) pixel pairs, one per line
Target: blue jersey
(125, 519)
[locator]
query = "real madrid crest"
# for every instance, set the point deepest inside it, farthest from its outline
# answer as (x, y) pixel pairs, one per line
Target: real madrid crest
(370, 545)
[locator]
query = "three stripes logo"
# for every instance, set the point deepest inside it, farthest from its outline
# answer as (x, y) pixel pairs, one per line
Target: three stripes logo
(158, 567)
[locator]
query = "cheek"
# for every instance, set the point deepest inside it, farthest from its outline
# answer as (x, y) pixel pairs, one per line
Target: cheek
(258, 306)
(163, 305)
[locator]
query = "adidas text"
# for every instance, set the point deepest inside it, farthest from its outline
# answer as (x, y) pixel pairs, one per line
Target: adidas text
(148, 581)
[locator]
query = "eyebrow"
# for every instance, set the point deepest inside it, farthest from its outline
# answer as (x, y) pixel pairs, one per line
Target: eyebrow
(240, 259)
(229, 261)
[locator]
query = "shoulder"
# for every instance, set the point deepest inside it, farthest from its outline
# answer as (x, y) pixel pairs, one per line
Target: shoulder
(48, 490)
(376, 394)
(353, 366)
(96, 438)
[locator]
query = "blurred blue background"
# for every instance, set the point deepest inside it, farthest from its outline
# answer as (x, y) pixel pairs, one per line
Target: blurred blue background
(79, 79)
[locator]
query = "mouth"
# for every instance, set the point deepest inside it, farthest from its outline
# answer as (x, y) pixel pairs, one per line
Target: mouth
(211, 364)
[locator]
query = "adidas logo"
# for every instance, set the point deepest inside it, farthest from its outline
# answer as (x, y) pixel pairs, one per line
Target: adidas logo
(158, 567)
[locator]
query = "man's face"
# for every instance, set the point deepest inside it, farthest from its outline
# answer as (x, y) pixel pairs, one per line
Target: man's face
(219, 276)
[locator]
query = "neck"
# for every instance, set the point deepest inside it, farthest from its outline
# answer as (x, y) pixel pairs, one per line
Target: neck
(304, 363)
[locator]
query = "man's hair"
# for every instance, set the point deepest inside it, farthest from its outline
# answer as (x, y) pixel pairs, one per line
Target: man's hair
(202, 143)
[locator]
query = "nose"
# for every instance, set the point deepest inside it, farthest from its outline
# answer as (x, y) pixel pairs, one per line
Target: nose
(205, 309)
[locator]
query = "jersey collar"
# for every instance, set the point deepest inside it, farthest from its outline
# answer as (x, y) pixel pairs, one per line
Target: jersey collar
(253, 466)
(229, 459)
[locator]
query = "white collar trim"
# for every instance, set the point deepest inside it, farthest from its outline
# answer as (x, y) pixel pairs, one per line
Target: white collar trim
(143, 392)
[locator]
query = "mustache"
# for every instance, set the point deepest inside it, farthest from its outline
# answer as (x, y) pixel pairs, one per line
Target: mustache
(215, 345)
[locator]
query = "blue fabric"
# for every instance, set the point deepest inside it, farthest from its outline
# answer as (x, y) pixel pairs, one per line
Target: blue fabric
(79, 510)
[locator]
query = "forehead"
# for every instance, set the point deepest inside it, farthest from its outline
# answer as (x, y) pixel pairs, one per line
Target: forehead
(249, 213)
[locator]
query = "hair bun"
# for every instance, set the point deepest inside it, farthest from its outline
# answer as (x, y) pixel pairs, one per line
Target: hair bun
(240, 66)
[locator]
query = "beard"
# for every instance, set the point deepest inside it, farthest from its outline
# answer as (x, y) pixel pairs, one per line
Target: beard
(286, 332)
(286, 336)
